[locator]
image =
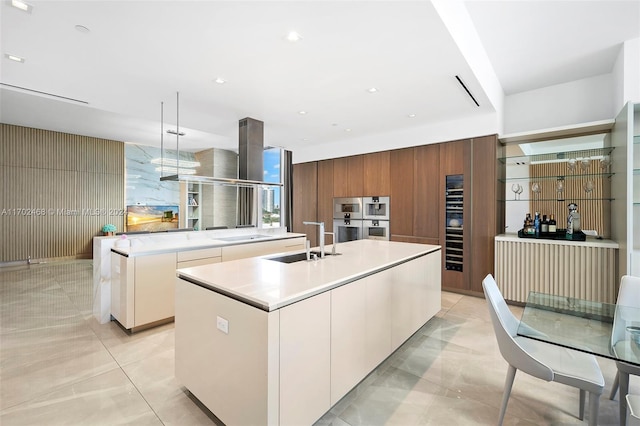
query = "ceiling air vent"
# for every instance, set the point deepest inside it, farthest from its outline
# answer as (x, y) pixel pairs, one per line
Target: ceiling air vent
(466, 89)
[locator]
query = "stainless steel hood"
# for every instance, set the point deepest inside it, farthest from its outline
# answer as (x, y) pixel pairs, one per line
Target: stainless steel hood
(250, 160)
(251, 149)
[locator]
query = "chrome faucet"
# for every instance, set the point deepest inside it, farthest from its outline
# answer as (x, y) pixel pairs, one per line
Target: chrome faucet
(333, 241)
(320, 235)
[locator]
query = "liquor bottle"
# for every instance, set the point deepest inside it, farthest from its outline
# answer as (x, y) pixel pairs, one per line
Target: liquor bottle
(544, 226)
(536, 224)
(528, 225)
(552, 225)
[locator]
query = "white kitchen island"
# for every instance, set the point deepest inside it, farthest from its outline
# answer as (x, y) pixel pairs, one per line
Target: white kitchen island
(260, 342)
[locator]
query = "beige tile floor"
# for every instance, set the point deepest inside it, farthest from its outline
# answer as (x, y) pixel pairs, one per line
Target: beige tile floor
(58, 366)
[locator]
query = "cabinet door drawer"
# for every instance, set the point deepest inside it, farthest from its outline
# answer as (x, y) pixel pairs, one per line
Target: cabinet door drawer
(199, 254)
(294, 243)
(198, 262)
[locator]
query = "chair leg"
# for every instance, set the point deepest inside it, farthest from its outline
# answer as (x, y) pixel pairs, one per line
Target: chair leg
(624, 390)
(614, 388)
(508, 384)
(582, 398)
(594, 405)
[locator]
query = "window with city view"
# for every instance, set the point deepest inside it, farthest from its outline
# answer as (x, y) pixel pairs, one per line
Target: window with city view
(271, 200)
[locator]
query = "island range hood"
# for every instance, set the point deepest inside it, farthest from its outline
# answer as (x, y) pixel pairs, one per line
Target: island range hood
(250, 160)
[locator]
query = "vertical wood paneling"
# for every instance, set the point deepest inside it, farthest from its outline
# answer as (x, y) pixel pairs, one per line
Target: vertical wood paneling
(325, 193)
(594, 211)
(58, 191)
(305, 199)
(571, 270)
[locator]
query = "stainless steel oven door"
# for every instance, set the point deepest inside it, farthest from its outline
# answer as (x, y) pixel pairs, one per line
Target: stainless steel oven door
(376, 229)
(375, 208)
(347, 230)
(347, 208)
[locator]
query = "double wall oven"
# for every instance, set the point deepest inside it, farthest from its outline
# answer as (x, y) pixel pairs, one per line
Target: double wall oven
(357, 218)
(347, 219)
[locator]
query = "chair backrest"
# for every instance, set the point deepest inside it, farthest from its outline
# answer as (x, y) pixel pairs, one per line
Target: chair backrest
(505, 327)
(628, 295)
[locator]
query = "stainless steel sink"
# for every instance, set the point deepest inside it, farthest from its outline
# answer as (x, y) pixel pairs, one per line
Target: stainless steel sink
(244, 237)
(297, 257)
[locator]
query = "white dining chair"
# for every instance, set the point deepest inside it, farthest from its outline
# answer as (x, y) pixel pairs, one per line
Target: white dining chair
(633, 406)
(628, 295)
(542, 360)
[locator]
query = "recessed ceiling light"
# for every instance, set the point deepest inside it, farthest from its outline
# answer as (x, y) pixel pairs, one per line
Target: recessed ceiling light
(347, 130)
(14, 58)
(302, 112)
(220, 80)
(82, 28)
(372, 90)
(19, 4)
(293, 36)
(411, 115)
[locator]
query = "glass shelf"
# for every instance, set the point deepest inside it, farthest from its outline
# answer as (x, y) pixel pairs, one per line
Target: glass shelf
(556, 177)
(557, 157)
(636, 139)
(566, 200)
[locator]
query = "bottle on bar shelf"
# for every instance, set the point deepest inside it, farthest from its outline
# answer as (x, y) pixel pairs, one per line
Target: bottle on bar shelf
(553, 228)
(536, 224)
(544, 226)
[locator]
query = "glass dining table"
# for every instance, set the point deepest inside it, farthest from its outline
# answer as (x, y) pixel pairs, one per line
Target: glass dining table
(583, 325)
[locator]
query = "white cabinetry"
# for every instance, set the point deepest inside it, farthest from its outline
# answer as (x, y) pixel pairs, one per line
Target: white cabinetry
(305, 360)
(243, 251)
(290, 365)
(142, 287)
(187, 259)
(361, 324)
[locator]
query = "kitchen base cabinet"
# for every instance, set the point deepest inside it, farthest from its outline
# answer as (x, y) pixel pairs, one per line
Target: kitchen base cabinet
(269, 368)
(577, 269)
(288, 366)
(219, 366)
(349, 338)
(154, 288)
(242, 251)
(142, 287)
(305, 360)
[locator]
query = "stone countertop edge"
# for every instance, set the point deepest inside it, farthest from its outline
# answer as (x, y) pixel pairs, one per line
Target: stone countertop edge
(590, 242)
(297, 297)
(198, 244)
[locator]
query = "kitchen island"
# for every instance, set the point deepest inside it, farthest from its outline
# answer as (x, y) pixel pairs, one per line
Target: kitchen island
(142, 275)
(259, 341)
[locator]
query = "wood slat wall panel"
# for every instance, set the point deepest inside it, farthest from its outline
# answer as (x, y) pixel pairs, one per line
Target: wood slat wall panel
(58, 191)
(593, 209)
(562, 269)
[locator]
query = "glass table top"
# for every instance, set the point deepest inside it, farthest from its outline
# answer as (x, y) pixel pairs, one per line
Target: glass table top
(603, 329)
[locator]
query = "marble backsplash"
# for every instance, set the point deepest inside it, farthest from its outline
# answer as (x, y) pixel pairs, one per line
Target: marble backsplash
(143, 185)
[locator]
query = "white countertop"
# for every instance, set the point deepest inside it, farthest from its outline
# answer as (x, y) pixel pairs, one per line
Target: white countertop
(143, 245)
(590, 242)
(271, 285)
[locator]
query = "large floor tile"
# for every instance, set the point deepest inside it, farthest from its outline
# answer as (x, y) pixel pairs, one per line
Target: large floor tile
(59, 366)
(155, 380)
(106, 399)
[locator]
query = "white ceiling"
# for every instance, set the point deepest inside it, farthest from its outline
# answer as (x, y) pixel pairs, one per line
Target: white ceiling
(140, 53)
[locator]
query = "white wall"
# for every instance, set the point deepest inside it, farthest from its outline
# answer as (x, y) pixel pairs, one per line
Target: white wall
(465, 127)
(626, 74)
(576, 102)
